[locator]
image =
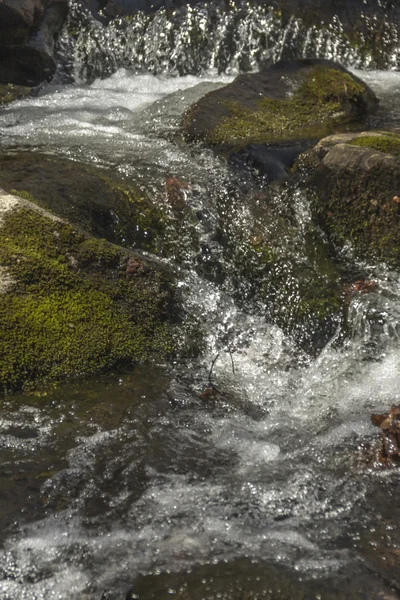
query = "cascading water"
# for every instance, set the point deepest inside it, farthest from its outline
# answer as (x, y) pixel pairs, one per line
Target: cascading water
(149, 473)
(207, 36)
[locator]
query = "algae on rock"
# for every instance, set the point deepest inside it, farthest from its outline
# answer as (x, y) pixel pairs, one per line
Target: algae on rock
(76, 304)
(101, 202)
(290, 101)
(10, 92)
(355, 193)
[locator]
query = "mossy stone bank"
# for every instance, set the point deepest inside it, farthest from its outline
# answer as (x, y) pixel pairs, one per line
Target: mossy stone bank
(72, 304)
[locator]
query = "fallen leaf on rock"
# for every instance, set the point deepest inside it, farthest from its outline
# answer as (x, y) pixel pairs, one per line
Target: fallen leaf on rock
(362, 286)
(133, 266)
(176, 193)
(389, 425)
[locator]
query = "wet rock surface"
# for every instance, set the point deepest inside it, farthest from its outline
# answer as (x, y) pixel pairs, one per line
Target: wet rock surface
(260, 263)
(287, 101)
(356, 182)
(96, 199)
(264, 120)
(28, 29)
(235, 580)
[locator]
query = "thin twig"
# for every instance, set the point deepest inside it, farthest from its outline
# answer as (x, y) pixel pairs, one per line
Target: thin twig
(211, 370)
(233, 365)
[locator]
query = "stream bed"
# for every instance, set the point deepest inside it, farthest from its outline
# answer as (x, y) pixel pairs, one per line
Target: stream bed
(137, 484)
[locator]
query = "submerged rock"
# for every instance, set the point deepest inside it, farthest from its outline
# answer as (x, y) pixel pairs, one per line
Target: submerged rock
(245, 578)
(268, 118)
(28, 29)
(355, 184)
(71, 304)
(281, 265)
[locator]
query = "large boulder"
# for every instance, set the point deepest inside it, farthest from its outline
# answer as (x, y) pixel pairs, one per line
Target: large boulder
(28, 29)
(104, 204)
(355, 192)
(272, 262)
(266, 119)
(71, 303)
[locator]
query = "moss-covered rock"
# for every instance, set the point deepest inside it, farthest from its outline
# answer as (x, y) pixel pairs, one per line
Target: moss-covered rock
(72, 304)
(356, 193)
(290, 101)
(285, 269)
(10, 92)
(103, 203)
(387, 142)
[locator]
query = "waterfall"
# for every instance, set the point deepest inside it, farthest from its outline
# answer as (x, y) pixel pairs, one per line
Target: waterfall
(195, 39)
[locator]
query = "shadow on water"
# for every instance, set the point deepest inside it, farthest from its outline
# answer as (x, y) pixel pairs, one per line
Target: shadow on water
(38, 430)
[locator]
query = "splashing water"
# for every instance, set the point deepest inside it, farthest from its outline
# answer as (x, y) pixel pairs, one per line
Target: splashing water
(193, 40)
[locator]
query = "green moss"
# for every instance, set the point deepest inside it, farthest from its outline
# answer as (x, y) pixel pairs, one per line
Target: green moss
(25, 195)
(96, 199)
(360, 205)
(294, 279)
(11, 92)
(315, 107)
(98, 253)
(388, 143)
(74, 306)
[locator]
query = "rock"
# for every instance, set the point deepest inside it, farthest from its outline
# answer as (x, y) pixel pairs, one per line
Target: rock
(28, 29)
(242, 578)
(271, 162)
(278, 111)
(282, 266)
(104, 204)
(10, 92)
(355, 186)
(18, 18)
(73, 304)
(273, 262)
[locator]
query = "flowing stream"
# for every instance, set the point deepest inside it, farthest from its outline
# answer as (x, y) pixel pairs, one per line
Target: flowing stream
(140, 474)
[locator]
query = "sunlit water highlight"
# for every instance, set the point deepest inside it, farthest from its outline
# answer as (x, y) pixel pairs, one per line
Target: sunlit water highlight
(194, 39)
